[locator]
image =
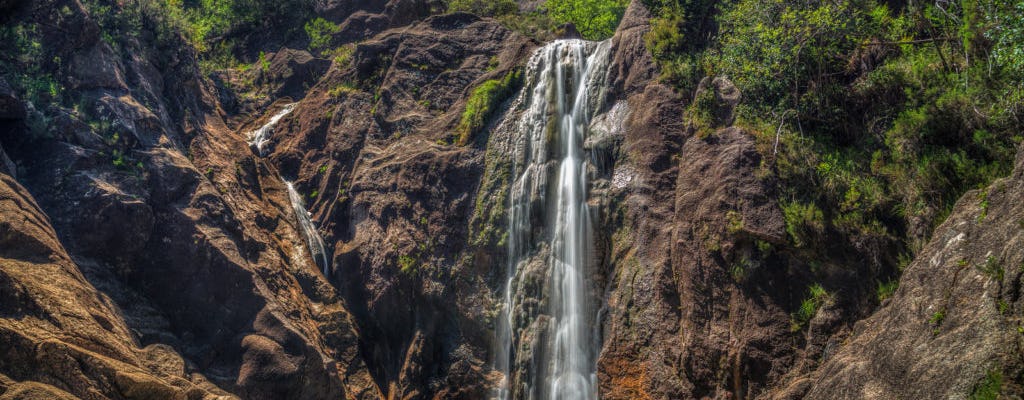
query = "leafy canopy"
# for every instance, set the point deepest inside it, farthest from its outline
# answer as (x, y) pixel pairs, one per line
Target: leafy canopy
(594, 19)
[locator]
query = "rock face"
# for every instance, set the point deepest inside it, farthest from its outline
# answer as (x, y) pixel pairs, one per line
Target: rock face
(170, 285)
(146, 251)
(954, 324)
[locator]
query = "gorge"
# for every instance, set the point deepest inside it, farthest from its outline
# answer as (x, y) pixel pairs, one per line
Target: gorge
(469, 199)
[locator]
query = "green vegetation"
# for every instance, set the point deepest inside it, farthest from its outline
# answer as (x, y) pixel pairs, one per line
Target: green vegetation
(343, 55)
(486, 8)
(482, 103)
(817, 298)
(25, 65)
(886, 289)
(990, 386)
(264, 64)
(936, 320)
(993, 268)
(320, 31)
(875, 117)
(343, 88)
(594, 19)
(407, 264)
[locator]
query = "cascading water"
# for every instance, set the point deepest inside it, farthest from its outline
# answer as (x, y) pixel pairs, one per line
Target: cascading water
(260, 137)
(313, 240)
(564, 80)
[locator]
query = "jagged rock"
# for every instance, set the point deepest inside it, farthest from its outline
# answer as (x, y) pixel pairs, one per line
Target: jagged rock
(292, 72)
(95, 68)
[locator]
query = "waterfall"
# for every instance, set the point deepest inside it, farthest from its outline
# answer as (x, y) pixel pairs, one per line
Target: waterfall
(260, 137)
(313, 240)
(564, 83)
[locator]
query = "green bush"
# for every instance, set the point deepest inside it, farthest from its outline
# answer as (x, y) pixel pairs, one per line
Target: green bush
(486, 8)
(482, 103)
(883, 117)
(990, 387)
(320, 31)
(804, 222)
(886, 289)
(594, 19)
(817, 297)
(407, 264)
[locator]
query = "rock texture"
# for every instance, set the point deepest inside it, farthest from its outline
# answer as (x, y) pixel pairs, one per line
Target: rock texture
(955, 320)
(146, 251)
(171, 285)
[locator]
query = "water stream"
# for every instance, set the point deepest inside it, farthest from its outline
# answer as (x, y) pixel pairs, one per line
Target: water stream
(564, 84)
(261, 137)
(313, 240)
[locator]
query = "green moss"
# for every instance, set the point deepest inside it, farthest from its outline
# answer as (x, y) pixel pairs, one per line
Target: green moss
(483, 102)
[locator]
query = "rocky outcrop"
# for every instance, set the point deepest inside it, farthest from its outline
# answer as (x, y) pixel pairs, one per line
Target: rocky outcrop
(953, 328)
(371, 147)
(189, 261)
(147, 252)
(59, 336)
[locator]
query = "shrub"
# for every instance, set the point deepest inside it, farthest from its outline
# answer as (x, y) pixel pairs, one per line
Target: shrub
(817, 297)
(804, 222)
(407, 264)
(486, 8)
(886, 289)
(320, 31)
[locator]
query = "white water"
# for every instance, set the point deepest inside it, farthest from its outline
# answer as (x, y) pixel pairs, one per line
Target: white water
(313, 240)
(260, 137)
(564, 83)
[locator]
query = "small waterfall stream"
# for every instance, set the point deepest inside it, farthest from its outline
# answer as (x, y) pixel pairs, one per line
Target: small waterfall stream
(260, 137)
(564, 83)
(313, 240)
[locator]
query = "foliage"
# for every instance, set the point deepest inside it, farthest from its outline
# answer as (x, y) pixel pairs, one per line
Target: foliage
(343, 55)
(319, 31)
(482, 103)
(264, 64)
(990, 386)
(486, 8)
(407, 264)
(215, 27)
(594, 19)
(804, 222)
(24, 64)
(817, 297)
(886, 289)
(883, 116)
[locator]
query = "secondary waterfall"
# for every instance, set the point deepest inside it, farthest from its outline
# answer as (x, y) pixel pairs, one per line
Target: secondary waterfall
(313, 240)
(260, 137)
(563, 88)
